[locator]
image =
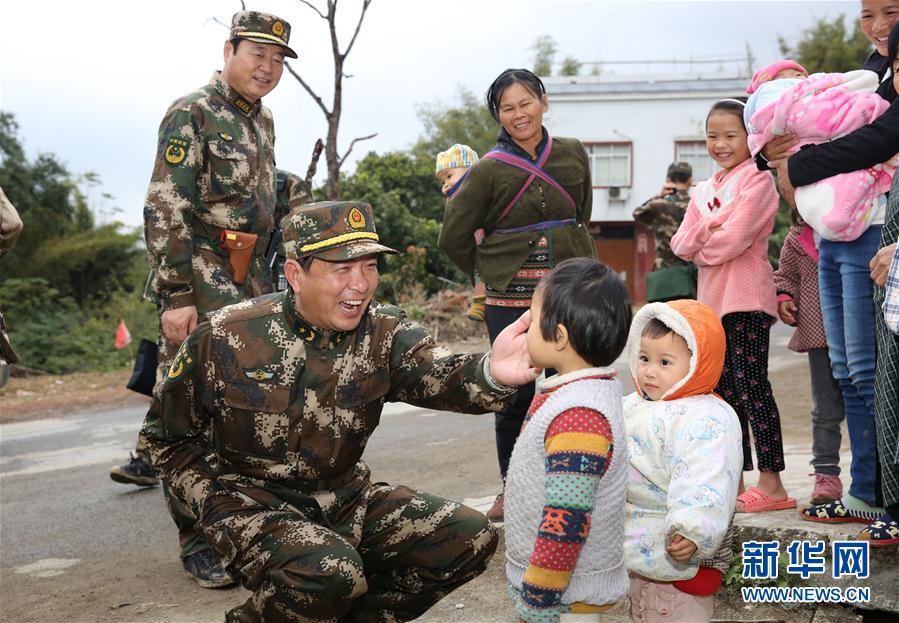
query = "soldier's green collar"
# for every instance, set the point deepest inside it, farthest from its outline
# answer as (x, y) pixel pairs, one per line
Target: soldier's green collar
(309, 333)
(233, 97)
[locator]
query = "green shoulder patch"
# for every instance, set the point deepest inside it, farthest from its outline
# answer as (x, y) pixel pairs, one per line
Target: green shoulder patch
(182, 364)
(176, 150)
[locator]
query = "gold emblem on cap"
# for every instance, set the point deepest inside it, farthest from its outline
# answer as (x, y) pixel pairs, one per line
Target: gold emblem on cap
(278, 28)
(356, 219)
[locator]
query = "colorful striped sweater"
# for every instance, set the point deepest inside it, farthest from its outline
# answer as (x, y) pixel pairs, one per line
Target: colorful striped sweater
(579, 448)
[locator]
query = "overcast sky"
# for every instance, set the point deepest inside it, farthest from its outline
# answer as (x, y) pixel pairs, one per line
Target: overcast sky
(89, 80)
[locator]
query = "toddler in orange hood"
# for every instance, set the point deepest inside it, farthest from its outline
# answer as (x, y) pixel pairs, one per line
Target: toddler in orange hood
(685, 459)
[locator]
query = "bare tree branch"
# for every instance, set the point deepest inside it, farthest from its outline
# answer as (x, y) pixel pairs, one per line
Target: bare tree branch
(220, 22)
(243, 5)
(309, 90)
(314, 8)
(358, 26)
(353, 143)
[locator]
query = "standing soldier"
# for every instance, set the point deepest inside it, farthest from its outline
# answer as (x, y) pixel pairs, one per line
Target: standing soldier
(663, 215)
(264, 414)
(208, 217)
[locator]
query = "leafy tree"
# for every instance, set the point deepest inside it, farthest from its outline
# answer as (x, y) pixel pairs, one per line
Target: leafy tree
(408, 206)
(827, 47)
(60, 241)
(544, 54)
(570, 66)
(467, 122)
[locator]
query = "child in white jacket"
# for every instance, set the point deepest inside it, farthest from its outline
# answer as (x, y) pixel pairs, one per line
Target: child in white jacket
(685, 454)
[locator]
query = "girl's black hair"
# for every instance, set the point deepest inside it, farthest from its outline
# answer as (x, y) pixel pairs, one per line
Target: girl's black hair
(506, 79)
(591, 301)
(734, 105)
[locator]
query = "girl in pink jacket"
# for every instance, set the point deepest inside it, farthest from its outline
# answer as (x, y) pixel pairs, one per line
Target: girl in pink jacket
(725, 233)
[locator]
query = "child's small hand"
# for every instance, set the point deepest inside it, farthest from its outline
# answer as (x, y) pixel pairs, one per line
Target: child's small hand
(680, 548)
(787, 312)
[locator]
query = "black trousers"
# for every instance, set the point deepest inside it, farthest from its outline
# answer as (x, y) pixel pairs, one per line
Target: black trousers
(508, 422)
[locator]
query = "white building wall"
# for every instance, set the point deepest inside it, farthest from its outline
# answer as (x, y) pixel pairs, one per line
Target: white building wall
(650, 123)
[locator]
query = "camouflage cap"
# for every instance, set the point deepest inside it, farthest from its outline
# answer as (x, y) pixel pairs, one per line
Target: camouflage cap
(332, 230)
(682, 168)
(262, 27)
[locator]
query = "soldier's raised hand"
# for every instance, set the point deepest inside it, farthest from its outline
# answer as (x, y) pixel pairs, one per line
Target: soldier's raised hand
(509, 361)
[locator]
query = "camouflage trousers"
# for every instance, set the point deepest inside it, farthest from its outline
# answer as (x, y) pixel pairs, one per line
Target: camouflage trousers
(364, 553)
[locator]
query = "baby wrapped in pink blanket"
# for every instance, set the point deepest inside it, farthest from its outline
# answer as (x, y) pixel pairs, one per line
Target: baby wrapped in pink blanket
(816, 109)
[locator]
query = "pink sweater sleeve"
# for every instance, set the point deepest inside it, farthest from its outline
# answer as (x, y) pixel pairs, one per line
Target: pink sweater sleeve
(692, 234)
(753, 214)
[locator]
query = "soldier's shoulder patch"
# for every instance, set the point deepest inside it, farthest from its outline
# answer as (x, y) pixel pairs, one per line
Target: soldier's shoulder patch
(182, 364)
(176, 150)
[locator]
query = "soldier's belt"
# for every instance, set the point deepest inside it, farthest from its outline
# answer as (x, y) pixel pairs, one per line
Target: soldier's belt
(240, 247)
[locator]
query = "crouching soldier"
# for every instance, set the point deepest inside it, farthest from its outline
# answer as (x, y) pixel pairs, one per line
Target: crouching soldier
(290, 387)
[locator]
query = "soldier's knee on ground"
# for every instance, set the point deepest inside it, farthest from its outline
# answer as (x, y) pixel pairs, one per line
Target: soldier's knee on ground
(317, 583)
(474, 543)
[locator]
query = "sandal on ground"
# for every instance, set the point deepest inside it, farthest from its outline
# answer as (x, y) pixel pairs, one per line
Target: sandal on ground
(754, 500)
(882, 533)
(837, 512)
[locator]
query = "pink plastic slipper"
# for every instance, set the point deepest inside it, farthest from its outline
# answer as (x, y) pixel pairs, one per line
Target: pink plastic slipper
(754, 500)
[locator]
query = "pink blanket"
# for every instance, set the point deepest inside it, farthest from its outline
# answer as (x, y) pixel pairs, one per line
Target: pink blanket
(821, 108)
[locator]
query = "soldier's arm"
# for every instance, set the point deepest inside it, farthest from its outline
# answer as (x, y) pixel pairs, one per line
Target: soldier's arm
(427, 374)
(173, 198)
(176, 424)
(10, 224)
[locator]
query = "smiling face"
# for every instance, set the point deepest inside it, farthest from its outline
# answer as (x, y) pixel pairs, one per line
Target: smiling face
(254, 69)
(521, 115)
(662, 362)
(726, 139)
(334, 295)
(449, 177)
(877, 18)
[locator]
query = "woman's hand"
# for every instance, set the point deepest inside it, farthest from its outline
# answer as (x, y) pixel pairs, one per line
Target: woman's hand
(787, 190)
(779, 148)
(880, 264)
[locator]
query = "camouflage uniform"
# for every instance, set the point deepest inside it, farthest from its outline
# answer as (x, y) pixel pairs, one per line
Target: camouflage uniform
(10, 228)
(278, 484)
(663, 215)
(214, 170)
(292, 193)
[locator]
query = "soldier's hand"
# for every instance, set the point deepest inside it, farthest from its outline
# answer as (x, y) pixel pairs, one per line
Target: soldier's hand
(509, 361)
(880, 264)
(178, 323)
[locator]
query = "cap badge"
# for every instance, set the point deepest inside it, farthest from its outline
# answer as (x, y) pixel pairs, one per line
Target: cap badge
(278, 29)
(356, 219)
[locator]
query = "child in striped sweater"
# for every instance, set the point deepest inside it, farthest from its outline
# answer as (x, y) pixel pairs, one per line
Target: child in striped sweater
(570, 457)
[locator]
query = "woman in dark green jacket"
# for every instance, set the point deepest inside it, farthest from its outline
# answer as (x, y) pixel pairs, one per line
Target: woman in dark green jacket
(519, 211)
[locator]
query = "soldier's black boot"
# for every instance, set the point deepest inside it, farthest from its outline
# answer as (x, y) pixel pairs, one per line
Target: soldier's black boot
(136, 471)
(205, 567)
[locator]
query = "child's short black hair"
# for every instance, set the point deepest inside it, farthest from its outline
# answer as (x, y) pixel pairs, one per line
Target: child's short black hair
(591, 301)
